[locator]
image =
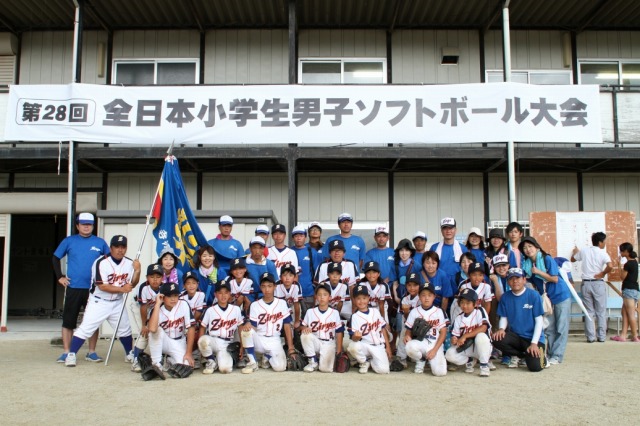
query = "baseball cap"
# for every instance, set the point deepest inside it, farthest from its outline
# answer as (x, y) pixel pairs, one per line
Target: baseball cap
(154, 269)
(236, 263)
(448, 222)
(190, 274)
(469, 294)
(225, 220)
(323, 286)
(336, 245)
(118, 240)
(334, 267)
(496, 233)
(262, 229)
(267, 277)
(500, 259)
(428, 287)
(299, 230)
(288, 267)
(86, 219)
(257, 240)
(515, 272)
(169, 289)
(419, 234)
(278, 228)
(372, 266)
(476, 231)
(345, 216)
(414, 278)
(222, 284)
(381, 230)
(475, 267)
(316, 224)
(360, 290)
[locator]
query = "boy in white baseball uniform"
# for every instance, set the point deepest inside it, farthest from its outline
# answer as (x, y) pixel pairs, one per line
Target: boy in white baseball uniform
(290, 291)
(170, 322)
(477, 284)
(430, 349)
(268, 317)
(369, 340)
(197, 303)
(410, 301)
(279, 253)
(218, 326)
(322, 333)
(112, 276)
(146, 299)
(339, 291)
(472, 323)
(378, 291)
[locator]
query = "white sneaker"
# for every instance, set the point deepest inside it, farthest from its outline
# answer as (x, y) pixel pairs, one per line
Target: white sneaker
(469, 366)
(210, 366)
(311, 367)
(135, 366)
(491, 366)
(513, 363)
(167, 364)
(242, 362)
(250, 368)
(554, 361)
(364, 367)
(420, 366)
(403, 361)
(264, 363)
(70, 361)
(129, 357)
(485, 371)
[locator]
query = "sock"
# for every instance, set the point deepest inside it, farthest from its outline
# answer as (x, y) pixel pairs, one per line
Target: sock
(76, 344)
(136, 352)
(211, 357)
(482, 364)
(312, 359)
(127, 343)
(251, 354)
(267, 356)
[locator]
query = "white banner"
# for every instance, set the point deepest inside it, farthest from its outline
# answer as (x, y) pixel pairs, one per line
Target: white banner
(459, 113)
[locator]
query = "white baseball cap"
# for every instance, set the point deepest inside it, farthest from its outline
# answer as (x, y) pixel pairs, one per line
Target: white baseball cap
(257, 240)
(86, 219)
(448, 221)
(225, 220)
(476, 231)
(299, 230)
(262, 229)
(316, 224)
(500, 259)
(419, 234)
(381, 230)
(345, 216)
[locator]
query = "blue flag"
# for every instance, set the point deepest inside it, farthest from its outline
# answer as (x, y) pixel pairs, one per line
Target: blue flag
(175, 226)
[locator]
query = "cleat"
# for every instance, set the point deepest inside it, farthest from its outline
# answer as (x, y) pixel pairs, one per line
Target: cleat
(250, 368)
(70, 361)
(364, 367)
(210, 366)
(420, 366)
(93, 357)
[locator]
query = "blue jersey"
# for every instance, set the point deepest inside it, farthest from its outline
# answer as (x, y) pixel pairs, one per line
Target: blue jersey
(448, 262)
(557, 292)
(383, 257)
(255, 271)
(308, 262)
(355, 248)
(81, 252)
(226, 251)
(442, 284)
(521, 312)
(478, 253)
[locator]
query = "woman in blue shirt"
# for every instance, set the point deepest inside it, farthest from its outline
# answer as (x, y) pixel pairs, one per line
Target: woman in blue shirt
(431, 273)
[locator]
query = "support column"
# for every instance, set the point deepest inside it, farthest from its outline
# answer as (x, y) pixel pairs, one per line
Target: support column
(292, 179)
(511, 162)
(293, 43)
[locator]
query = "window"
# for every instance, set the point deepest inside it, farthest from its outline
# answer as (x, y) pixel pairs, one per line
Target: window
(532, 77)
(610, 72)
(156, 71)
(342, 71)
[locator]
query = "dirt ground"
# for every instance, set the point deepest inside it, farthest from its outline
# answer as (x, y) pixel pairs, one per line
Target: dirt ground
(597, 383)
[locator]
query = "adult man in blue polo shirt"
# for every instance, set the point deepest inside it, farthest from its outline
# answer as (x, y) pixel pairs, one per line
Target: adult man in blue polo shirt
(226, 247)
(355, 248)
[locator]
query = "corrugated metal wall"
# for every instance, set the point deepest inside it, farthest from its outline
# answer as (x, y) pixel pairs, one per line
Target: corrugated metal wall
(47, 180)
(246, 56)
(608, 44)
(342, 43)
(420, 202)
(606, 192)
(534, 193)
(530, 50)
(416, 56)
(7, 69)
(135, 192)
(156, 44)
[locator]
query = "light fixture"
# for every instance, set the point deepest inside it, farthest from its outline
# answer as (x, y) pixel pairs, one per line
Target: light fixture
(450, 56)
(566, 50)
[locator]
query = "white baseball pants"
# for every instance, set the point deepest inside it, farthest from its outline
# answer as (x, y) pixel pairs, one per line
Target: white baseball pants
(481, 350)
(160, 343)
(417, 350)
(209, 345)
(271, 346)
(99, 311)
(313, 346)
(362, 351)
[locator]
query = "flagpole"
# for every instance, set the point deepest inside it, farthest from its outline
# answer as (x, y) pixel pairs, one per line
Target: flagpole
(144, 236)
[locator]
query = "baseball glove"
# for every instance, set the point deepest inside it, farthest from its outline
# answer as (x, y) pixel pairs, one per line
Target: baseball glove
(144, 361)
(296, 362)
(180, 371)
(420, 329)
(234, 350)
(396, 365)
(151, 372)
(466, 345)
(342, 363)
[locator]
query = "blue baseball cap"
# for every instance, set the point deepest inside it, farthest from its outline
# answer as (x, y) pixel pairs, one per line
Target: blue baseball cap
(222, 284)
(360, 290)
(190, 274)
(154, 269)
(86, 219)
(169, 289)
(515, 272)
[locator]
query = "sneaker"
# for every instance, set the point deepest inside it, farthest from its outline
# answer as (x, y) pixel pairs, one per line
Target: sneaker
(364, 367)
(452, 367)
(93, 357)
(62, 358)
(264, 363)
(546, 363)
(135, 366)
(129, 357)
(70, 361)
(553, 361)
(491, 366)
(210, 366)
(420, 366)
(242, 363)
(522, 362)
(167, 363)
(469, 366)
(250, 368)
(485, 371)
(158, 368)
(513, 363)
(311, 367)
(506, 360)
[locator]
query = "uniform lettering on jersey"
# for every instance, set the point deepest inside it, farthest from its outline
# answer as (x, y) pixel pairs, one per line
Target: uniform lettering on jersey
(432, 323)
(217, 324)
(280, 263)
(335, 300)
(317, 326)
(345, 280)
(464, 329)
(370, 326)
(177, 323)
(265, 318)
(117, 279)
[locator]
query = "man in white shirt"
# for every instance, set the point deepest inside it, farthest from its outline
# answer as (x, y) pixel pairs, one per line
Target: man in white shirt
(596, 264)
